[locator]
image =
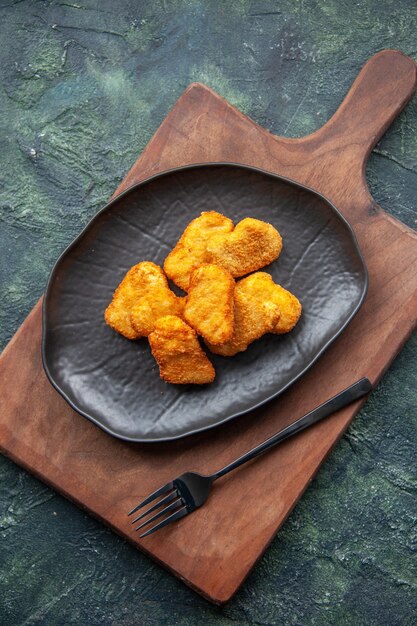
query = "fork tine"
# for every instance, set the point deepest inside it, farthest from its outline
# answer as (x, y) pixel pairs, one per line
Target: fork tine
(168, 498)
(155, 494)
(171, 507)
(168, 520)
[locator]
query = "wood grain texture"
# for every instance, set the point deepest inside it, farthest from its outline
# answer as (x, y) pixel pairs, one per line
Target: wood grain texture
(214, 550)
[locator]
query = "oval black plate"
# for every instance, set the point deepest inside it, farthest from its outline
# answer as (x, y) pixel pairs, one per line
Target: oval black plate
(115, 382)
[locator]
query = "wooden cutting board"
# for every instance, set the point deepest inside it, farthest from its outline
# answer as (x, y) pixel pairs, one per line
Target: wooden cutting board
(214, 549)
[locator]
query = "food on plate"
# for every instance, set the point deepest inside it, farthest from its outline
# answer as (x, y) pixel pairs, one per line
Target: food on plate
(145, 283)
(250, 246)
(178, 353)
(158, 302)
(261, 286)
(261, 306)
(229, 316)
(191, 249)
(209, 303)
(254, 316)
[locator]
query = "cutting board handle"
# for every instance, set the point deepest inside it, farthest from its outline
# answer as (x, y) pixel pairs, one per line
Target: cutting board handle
(379, 93)
(333, 159)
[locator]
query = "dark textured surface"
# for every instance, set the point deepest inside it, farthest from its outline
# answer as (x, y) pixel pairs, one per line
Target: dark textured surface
(84, 86)
(114, 381)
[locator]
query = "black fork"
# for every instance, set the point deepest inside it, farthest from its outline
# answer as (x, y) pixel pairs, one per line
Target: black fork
(189, 491)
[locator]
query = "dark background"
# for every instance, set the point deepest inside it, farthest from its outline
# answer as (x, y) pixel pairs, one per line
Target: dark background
(84, 85)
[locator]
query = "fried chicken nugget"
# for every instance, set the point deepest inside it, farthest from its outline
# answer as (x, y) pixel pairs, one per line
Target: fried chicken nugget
(261, 306)
(144, 280)
(158, 302)
(209, 304)
(191, 249)
(252, 245)
(254, 316)
(260, 285)
(178, 353)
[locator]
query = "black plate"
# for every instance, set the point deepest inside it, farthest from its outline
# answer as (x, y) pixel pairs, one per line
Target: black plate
(115, 382)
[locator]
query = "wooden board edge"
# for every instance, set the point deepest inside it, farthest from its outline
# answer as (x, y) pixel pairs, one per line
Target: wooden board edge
(200, 91)
(20, 461)
(9, 345)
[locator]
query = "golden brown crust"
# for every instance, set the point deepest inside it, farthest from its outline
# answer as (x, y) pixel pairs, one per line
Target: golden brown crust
(253, 318)
(209, 304)
(261, 285)
(261, 306)
(137, 283)
(191, 249)
(229, 316)
(159, 302)
(252, 245)
(178, 353)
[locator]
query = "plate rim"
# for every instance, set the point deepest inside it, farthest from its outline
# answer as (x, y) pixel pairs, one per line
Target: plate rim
(119, 197)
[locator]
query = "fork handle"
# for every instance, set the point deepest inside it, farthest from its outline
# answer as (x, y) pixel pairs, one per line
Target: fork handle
(342, 399)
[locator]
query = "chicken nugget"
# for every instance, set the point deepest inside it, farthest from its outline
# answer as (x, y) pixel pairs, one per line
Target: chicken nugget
(261, 286)
(254, 316)
(158, 302)
(209, 304)
(178, 353)
(143, 280)
(252, 244)
(191, 249)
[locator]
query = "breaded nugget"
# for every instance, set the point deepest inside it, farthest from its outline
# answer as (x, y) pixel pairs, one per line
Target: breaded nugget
(158, 302)
(252, 245)
(178, 353)
(254, 316)
(209, 304)
(190, 251)
(261, 286)
(142, 280)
